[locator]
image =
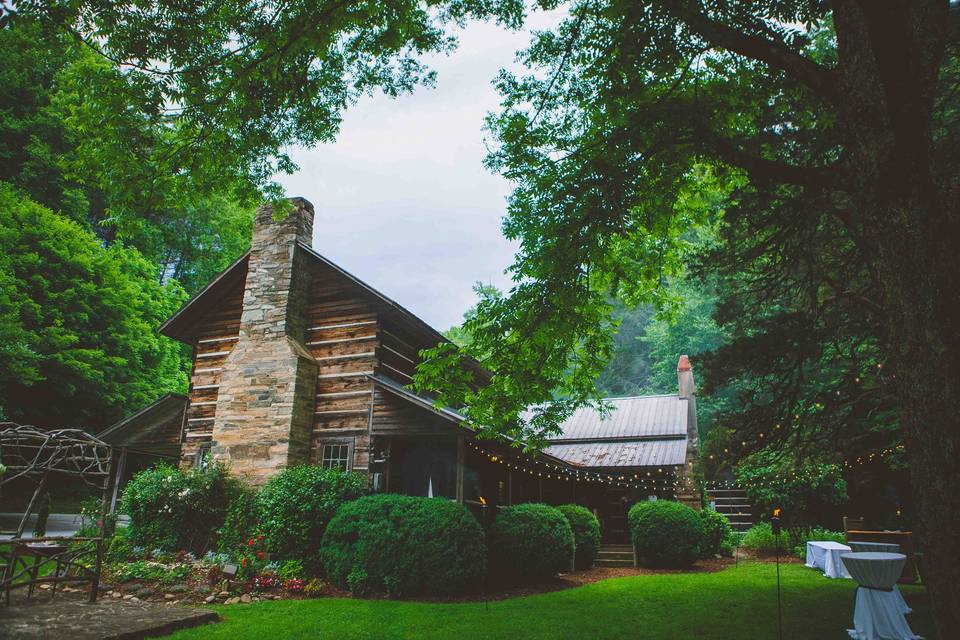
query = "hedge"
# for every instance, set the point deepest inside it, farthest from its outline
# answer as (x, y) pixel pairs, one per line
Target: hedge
(295, 506)
(586, 533)
(404, 545)
(666, 534)
(530, 542)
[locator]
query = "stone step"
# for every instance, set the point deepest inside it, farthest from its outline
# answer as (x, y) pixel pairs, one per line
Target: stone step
(615, 555)
(600, 562)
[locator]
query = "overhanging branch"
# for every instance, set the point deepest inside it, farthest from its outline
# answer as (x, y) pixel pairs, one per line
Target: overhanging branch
(771, 52)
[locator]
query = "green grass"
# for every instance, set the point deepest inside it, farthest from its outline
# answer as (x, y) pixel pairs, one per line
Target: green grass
(738, 603)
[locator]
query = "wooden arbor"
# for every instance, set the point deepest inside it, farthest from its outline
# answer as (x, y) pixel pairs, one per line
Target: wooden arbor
(29, 452)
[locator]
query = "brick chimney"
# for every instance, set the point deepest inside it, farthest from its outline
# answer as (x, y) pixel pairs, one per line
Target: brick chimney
(265, 403)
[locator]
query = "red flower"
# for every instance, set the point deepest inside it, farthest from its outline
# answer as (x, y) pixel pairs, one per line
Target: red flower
(261, 555)
(250, 542)
(243, 562)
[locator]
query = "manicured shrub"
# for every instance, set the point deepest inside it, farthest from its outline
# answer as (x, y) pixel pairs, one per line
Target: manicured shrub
(296, 505)
(716, 529)
(171, 510)
(586, 533)
(530, 542)
(403, 545)
(665, 533)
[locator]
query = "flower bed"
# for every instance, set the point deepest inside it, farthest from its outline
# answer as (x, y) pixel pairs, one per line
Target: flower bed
(183, 579)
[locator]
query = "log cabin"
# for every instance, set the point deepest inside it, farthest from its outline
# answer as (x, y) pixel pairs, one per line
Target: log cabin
(297, 361)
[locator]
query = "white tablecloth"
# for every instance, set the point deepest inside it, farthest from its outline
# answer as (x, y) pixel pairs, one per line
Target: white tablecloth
(880, 606)
(826, 557)
(858, 546)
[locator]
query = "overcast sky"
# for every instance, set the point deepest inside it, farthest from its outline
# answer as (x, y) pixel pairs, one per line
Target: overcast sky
(402, 200)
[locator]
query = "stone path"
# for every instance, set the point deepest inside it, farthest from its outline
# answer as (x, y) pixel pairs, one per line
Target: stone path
(70, 616)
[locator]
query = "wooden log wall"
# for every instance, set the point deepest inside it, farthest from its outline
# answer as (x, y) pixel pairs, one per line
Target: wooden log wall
(343, 335)
(217, 334)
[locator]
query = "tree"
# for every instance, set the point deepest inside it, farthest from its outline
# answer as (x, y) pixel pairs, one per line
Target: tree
(77, 323)
(72, 140)
(836, 122)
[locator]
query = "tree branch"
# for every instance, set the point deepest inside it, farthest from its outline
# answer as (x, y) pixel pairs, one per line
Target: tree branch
(761, 169)
(776, 54)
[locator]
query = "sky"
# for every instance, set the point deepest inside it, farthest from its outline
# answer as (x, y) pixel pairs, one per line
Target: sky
(402, 200)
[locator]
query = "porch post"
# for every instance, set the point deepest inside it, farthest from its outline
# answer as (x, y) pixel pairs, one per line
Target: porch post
(509, 486)
(461, 455)
(117, 479)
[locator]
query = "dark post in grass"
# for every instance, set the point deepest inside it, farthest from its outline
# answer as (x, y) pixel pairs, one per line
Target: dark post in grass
(775, 525)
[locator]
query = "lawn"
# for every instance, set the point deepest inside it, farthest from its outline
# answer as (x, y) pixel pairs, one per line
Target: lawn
(738, 603)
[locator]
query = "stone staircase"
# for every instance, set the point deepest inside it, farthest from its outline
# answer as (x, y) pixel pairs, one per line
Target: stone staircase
(614, 555)
(734, 504)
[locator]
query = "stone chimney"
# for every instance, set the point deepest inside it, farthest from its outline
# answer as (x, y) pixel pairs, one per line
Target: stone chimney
(689, 493)
(265, 402)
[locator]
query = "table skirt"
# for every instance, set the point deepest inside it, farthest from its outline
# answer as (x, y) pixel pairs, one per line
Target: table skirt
(879, 616)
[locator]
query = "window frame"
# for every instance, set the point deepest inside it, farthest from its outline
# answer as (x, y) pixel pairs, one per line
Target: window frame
(336, 442)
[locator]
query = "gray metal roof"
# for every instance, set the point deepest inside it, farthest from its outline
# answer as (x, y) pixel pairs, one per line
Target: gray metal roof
(637, 417)
(636, 453)
(642, 431)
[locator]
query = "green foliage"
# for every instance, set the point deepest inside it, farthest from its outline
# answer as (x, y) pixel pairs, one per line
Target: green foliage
(240, 522)
(171, 509)
(296, 505)
(221, 89)
(729, 545)
(290, 570)
(716, 532)
(801, 489)
(760, 539)
(315, 588)
(586, 533)
(800, 537)
(404, 545)
(531, 542)
(666, 533)
(77, 322)
(153, 571)
(120, 547)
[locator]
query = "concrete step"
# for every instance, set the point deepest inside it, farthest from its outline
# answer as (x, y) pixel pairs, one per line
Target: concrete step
(615, 555)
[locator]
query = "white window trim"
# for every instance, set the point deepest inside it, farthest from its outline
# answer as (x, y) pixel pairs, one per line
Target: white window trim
(348, 442)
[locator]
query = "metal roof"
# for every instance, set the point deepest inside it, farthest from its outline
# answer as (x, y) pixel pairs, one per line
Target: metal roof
(636, 417)
(641, 431)
(637, 453)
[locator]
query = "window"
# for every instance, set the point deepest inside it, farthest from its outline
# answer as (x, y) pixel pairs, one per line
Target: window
(202, 458)
(335, 456)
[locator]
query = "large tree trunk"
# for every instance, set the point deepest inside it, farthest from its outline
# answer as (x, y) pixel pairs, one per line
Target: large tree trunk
(889, 58)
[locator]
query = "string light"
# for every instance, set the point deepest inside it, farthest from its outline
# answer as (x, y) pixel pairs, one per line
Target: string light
(668, 482)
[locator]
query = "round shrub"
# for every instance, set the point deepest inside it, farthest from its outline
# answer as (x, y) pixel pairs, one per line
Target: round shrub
(531, 541)
(296, 505)
(171, 509)
(404, 545)
(586, 533)
(665, 533)
(716, 529)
